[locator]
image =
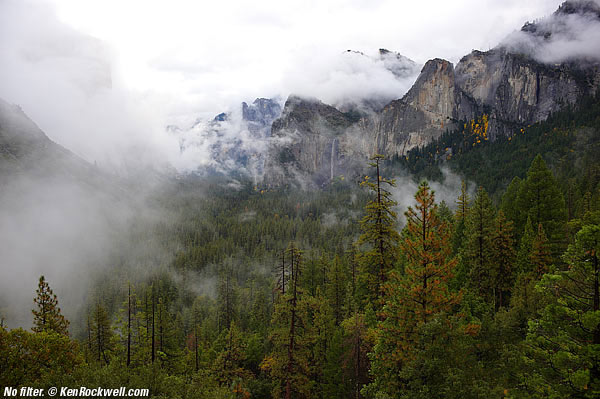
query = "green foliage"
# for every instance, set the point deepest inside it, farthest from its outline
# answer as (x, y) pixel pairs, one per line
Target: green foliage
(379, 238)
(47, 317)
(564, 341)
(36, 359)
(477, 252)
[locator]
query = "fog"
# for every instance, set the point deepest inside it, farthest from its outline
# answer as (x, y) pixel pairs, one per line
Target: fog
(133, 89)
(560, 37)
(446, 190)
(107, 89)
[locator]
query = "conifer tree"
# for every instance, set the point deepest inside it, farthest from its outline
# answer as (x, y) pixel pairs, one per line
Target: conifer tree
(539, 257)
(503, 259)
(101, 334)
(463, 203)
(525, 247)
(412, 300)
(291, 337)
(565, 341)
(379, 234)
(229, 362)
(356, 360)
(335, 288)
(508, 204)
(477, 252)
(47, 317)
(541, 200)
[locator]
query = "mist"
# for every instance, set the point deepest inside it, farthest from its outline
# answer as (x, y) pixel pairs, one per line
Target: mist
(560, 37)
(447, 190)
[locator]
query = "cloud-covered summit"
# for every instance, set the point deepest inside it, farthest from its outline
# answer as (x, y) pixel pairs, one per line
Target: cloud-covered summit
(571, 33)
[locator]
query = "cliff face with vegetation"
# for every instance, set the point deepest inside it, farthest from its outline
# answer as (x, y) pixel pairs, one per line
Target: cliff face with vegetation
(509, 84)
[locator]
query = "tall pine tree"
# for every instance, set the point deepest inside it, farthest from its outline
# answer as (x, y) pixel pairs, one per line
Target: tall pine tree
(47, 317)
(379, 236)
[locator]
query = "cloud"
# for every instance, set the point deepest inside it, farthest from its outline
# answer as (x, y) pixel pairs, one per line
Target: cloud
(348, 77)
(561, 36)
(106, 89)
(64, 81)
(447, 190)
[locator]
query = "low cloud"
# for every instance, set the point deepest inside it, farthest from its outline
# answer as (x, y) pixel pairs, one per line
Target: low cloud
(562, 36)
(447, 190)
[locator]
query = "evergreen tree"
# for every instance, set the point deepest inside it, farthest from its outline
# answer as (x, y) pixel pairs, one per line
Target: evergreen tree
(463, 203)
(565, 340)
(48, 317)
(335, 288)
(379, 234)
(503, 259)
(508, 204)
(539, 257)
(414, 299)
(477, 252)
(229, 364)
(541, 200)
(101, 334)
(525, 247)
(334, 377)
(291, 336)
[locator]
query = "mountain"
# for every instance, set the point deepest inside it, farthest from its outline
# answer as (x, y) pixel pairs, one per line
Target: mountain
(26, 151)
(510, 86)
(232, 142)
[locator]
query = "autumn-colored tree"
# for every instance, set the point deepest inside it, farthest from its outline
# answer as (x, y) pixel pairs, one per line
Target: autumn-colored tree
(379, 236)
(414, 298)
(47, 317)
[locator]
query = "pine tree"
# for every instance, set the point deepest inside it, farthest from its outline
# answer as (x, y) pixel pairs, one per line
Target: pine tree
(101, 334)
(288, 364)
(541, 200)
(229, 364)
(47, 317)
(525, 247)
(503, 259)
(477, 252)
(356, 360)
(539, 257)
(463, 203)
(335, 288)
(508, 204)
(379, 234)
(414, 299)
(565, 341)
(334, 378)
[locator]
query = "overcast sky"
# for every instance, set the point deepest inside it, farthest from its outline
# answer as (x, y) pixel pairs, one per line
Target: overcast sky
(113, 68)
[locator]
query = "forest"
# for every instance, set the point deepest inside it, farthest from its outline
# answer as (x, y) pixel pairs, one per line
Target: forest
(250, 292)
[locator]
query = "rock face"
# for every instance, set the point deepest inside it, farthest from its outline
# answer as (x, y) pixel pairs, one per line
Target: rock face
(515, 89)
(431, 106)
(512, 84)
(307, 138)
(260, 115)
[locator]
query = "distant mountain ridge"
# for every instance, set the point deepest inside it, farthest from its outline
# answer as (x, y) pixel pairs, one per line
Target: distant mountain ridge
(507, 84)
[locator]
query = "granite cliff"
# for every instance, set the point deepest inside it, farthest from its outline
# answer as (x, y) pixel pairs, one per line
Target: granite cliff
(512, 84)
